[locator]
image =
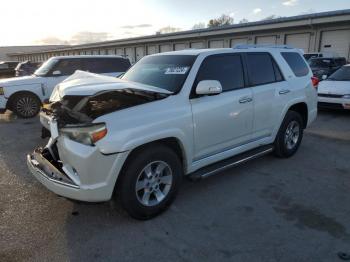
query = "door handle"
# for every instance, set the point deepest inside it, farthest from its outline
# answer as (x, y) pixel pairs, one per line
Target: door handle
(245, 100)
(285, 91)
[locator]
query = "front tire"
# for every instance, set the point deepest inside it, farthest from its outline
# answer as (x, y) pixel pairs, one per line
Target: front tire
(150, 181)
(26, 105)
(289, 136)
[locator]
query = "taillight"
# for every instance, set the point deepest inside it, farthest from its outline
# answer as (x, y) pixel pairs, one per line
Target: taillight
(315, 81)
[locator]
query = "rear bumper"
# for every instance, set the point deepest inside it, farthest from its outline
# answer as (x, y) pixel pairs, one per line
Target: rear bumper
(333, 103)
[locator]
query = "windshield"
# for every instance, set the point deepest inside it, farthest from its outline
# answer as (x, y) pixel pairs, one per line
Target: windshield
(343, 74)
(164, 71)
(46, 67)
(323, 63)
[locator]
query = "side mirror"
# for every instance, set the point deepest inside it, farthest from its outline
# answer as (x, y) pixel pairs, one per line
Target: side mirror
(209, 87)
(324, 77)
(56, 73)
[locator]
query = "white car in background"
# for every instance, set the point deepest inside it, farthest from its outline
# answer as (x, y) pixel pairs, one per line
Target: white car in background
(334, 91)
(24, 95)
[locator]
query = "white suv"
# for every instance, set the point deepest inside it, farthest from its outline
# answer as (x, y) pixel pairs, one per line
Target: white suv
(191, 112)
(24, 95)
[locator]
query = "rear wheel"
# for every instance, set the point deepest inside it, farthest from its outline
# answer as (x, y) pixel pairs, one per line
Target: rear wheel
(150, 181)
(290, 135)
(26, 105)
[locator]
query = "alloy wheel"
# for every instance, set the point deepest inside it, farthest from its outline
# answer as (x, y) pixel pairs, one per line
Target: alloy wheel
(27, 106)
(154, 183)
(292, 135)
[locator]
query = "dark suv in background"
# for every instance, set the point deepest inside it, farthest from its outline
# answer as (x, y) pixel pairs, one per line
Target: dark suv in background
(7, 69)
(27, 68)
(326, 66)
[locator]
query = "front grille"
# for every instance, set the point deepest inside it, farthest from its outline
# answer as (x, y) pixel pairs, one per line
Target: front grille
(330, 95)
(330, 105)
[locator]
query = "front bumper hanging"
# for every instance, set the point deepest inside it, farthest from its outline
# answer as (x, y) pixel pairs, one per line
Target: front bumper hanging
(41, 166)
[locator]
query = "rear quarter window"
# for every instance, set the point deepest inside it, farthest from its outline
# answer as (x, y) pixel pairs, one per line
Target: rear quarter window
(296, 63)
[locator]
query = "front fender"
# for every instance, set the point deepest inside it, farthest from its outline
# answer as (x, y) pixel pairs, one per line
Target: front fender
(36, 89)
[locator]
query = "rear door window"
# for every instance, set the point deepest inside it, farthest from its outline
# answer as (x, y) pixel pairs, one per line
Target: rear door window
(296, 63)
(106, 65)
(261, 69)
(227, 69)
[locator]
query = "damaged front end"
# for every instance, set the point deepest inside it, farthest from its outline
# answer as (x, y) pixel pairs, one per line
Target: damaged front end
(72, 117)
(81, 111)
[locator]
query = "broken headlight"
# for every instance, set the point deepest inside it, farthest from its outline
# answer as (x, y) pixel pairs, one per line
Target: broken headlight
(87, 135)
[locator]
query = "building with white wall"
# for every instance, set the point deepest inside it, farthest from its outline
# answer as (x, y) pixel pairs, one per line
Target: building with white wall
(327, 31)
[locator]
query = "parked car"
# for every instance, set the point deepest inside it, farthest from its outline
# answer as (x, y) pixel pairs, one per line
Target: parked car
(334, 92)
(24, 95)
(7, 69)
(190, 112)
(326, 66)
(26, 68)
(309, 56)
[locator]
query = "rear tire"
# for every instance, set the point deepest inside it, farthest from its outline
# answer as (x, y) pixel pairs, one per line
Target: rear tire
(149, 181)
(289, 135)
(26, 105)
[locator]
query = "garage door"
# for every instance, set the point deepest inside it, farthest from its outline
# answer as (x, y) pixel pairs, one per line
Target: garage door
(180, 47)
(140, 52)
(336, 41)
(165, 48)
(262, 40)
(301, 41)
(129, 52)
(120, 51)
(111, 51)
(238, 41)
(197, 45)
(152, 49)
(216, 44)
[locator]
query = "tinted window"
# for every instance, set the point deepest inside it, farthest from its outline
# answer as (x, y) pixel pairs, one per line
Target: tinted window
(296, 63)
(68, 66)
(260, 68)
(164, 71)
(343, 74)
(340, 61)
(227, 69)
(106, 65)
(320, 63)
(277, 70)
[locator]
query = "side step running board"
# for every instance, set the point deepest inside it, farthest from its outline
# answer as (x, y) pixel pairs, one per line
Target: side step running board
(230, 162)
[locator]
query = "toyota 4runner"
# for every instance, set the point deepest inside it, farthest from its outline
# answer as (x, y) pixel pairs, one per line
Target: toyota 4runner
(191, 112)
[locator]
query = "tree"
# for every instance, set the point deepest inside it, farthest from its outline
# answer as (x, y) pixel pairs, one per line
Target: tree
(270, 17)
(221, 21)
(168, 29)
(198, 26)
(243, 21)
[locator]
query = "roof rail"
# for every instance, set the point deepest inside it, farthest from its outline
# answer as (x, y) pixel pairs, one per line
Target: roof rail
(247, 46)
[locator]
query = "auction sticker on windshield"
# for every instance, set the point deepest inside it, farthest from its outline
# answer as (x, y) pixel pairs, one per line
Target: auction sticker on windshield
(178, 70)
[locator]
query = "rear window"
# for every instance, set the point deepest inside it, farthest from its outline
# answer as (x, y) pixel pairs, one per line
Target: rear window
(106, 65)
(296, 63)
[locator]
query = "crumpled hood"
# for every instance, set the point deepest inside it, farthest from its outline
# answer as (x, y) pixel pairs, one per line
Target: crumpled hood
(334, 87)
(87, 84)
(23, 80)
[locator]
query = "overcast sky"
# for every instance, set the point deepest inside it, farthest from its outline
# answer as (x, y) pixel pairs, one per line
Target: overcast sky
(25, 22)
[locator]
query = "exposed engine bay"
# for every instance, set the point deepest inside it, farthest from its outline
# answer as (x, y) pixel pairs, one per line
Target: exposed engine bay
(84, 109)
